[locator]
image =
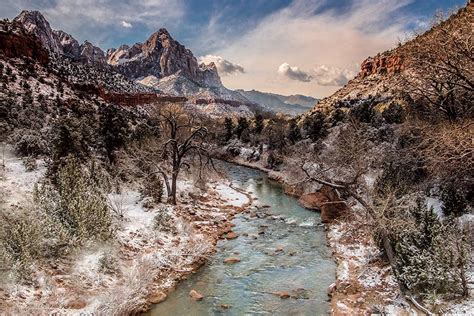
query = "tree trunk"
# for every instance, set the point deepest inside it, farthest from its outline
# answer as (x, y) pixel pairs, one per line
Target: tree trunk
(172, 194)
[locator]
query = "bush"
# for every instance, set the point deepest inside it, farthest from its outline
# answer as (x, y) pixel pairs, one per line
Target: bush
(314, 126)
(28, 142)
(394, 114)
(164, 222)
(454, 202)
(76, 203)
(30, 163)
(363, 112)
(108, 264)
(153, 187)
(20, 245)
(429, 254)
(273, 160)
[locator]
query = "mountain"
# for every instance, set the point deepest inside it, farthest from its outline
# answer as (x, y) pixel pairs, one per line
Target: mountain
(161, 63)
(292, 105)
(58, 42)
(388, 74)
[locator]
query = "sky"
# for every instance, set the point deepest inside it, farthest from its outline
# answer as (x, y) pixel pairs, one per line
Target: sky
(310, 47)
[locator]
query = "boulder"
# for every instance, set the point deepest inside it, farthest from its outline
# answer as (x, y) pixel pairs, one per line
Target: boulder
(76, 303)
(231, 235)
(314, 200)
(195, 295)
(157, 297)
(231, 260)
(282, 294)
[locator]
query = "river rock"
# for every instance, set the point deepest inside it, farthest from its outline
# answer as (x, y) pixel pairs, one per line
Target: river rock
(225, 306)
(231, 235)
(313, 200)
(157, 297)
(76, 303)
(231, 260)
(195, 295)
(282, 294)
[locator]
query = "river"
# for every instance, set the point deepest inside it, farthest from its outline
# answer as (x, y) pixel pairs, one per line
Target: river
(282, 248)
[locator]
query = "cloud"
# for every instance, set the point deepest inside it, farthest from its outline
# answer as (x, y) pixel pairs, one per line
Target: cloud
(126, 24)
(294, 73)
(332, 76)
(307, 34)
(96, 21)
(224, 67)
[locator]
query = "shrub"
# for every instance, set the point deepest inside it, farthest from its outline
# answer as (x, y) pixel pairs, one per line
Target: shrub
(108, 264)
(153, 187)
(454, 202)
(242, 125)
(293, 131)
(229, 127)
(76, 203)
(20, 244)
(28, 142)
(273, 160)
(394, 113)
(164, 222)
(429, 255)
(30, 163)
(363, 112)
(314, 126)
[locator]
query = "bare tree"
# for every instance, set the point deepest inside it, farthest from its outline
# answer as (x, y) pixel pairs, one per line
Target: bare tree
(441, 66)
(183, 135)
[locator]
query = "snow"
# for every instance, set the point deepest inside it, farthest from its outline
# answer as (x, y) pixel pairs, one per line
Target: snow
(17, 183)
(233, 197)
(436, 204)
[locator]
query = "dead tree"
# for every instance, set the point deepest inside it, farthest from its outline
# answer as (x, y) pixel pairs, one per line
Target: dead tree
(441, 67)
(183, 145)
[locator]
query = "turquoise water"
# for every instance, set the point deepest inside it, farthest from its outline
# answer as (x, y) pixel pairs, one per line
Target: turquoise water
(284, 250)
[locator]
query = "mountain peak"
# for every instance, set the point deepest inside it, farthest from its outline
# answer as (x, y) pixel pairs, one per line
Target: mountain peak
(35, 23)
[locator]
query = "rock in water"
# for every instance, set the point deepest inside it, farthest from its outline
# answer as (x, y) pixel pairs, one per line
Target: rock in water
(196, 295)
(231, 260)
(157, 297)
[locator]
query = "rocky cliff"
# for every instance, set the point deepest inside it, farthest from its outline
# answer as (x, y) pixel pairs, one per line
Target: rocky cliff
(58, 43)
(384, 75)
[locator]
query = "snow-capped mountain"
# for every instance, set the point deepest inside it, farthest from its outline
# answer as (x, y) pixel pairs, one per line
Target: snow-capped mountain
(161, 63)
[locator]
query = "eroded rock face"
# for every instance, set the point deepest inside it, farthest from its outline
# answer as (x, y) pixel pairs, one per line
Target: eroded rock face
(314, 200)
(327, 201)
(70, 45)
(161, 56)
(92, 54)
(58, 43)
(35, 23)
(19, 44)
(382, 65)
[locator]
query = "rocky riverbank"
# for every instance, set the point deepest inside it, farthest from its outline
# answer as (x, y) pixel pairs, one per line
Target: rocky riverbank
(136, 269)
(364, 281)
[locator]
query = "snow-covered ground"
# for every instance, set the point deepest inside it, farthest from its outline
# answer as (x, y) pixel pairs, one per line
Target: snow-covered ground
(137, 267)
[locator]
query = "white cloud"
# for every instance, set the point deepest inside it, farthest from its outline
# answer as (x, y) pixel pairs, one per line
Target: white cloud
(332, 76)
(299, 36)
(224, 67)
(96, 21)
(294, 73)
(126, 24)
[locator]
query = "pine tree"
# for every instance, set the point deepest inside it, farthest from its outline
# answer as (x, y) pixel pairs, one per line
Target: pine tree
(258, 119)
(293, 132)
(229, 128)
(242, 125)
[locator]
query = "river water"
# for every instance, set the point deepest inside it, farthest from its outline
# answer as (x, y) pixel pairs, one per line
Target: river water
(283, 248)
